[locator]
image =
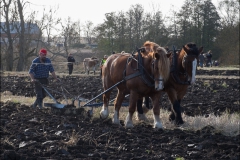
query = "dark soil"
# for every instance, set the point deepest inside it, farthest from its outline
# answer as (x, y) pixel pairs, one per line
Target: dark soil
(70, 133)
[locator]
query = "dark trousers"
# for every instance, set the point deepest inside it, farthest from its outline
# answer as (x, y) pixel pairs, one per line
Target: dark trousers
(70, 69)
(40, 92)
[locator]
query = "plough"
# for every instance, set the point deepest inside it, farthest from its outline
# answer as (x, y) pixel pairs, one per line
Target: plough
(88, 103)
(79, 99)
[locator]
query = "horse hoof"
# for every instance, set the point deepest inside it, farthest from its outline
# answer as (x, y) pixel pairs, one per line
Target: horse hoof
(104, 114)
(129, 126)
(114, 121)
(158, 125)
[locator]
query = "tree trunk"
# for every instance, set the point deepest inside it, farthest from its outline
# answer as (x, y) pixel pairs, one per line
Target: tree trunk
(21, 61)
(9, 55)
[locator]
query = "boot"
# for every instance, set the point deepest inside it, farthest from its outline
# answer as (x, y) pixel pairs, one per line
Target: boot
(40, 103)
(34, 105)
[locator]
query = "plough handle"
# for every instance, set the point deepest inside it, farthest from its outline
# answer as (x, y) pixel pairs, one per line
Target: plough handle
(49, 94)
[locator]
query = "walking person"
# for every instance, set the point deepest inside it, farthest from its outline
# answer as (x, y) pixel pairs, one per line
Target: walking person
(102, 63)
(71, 60)
(201, 59)
(39, 73)
(209, 58)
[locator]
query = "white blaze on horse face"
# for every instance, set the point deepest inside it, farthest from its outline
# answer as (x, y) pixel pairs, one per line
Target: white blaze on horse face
(194, 66)
(159, 84)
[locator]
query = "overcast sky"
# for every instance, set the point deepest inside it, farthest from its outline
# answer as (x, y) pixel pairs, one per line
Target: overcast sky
(94, 10)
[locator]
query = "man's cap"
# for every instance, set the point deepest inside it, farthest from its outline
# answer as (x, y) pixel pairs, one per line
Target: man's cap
(44, 51)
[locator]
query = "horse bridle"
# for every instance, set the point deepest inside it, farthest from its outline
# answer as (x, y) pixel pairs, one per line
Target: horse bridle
(141, 70)
(158, 79)
(175, 72)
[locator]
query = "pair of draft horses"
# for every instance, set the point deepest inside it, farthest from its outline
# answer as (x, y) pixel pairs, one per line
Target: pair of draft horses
(148, 73)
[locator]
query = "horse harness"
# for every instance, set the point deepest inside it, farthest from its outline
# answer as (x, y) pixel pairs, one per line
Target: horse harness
(174, 72)
(141, 70)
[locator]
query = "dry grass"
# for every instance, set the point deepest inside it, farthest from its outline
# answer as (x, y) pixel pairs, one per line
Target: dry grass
(235, 67)
(73, 139)
(227, 124)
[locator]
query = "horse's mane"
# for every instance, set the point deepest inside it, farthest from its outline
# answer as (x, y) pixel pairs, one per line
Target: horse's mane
(163, 61)
(152, 45)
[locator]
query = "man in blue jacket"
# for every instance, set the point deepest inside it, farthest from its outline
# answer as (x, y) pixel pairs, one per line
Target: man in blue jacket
(39, 73)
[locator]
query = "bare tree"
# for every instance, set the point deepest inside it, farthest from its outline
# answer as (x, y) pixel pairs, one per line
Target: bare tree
(21, 61)
(88, 31)
(6, 29)
(229, 12)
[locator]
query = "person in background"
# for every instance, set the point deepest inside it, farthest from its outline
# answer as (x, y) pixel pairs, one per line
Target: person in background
(39, 73)
(201, 59)
(216, 63)
(209, 58)
(71, 60)
(102, 63)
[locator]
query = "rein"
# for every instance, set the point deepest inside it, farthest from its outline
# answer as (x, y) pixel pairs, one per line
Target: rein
(174, 71)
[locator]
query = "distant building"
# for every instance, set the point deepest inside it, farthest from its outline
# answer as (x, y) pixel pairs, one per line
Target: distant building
(84, 40)
(31, 30)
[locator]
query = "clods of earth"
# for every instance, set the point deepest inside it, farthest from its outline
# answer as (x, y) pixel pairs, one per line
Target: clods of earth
(70, 133)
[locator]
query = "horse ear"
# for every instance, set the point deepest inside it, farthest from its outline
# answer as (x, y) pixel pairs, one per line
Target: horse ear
(185, 49)
(169, 54)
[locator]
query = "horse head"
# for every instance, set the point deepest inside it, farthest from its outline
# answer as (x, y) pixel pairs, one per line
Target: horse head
(189, 54)
(160, 67)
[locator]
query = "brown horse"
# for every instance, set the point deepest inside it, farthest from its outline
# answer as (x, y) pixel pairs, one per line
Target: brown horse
(183, 72)
(126, 67)
(90, 63)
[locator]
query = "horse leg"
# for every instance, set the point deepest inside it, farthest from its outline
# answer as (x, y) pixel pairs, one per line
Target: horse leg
(117, 106)
(132, 108)
(156, 111)
(94, 70)
(140, 115)
(84, 67)
(175, 108)
(146, 106)
(104, 112)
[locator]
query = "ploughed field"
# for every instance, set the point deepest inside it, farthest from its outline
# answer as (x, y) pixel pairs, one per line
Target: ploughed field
(69, 133)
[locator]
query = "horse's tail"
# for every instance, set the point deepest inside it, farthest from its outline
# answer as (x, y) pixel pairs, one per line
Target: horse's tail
(164, 63)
